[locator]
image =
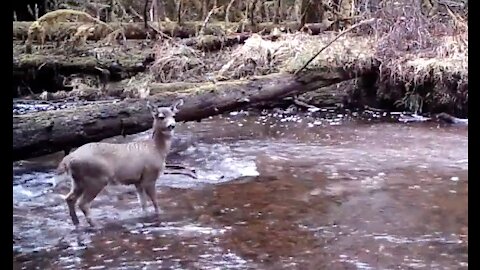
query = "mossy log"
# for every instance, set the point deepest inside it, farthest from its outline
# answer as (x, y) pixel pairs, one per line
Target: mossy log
(86, 64)
(40, 133)
(326, 96)
(40, 71)
(138, 31)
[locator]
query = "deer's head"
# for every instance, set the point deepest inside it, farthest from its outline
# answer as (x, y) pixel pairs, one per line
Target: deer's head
(164, 117)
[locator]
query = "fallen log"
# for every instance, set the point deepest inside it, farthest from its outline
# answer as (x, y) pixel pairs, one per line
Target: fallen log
(447, 118)
(325, 97)
(120, 89)
(215, 43)
(45, 71)
(40, 133)
(172, 29)
(85, 64)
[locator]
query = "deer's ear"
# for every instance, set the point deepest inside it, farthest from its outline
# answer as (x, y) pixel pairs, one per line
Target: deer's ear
(175, 105)
(151, 108)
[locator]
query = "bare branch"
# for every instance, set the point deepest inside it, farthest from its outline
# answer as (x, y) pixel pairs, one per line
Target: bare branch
(227, 11)
(210, 13)
(333, 40)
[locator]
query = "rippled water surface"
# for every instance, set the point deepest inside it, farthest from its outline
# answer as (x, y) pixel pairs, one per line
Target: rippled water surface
(272, 193)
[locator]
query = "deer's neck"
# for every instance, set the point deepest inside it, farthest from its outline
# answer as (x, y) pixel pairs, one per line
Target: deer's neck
(162, 141)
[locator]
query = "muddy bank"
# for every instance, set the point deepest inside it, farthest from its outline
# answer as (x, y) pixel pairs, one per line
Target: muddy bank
(273, 192)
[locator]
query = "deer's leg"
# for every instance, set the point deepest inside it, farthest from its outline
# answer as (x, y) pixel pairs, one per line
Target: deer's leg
(71, 200)
(89, 193)
(149, 177)
(152, 194)
(142, 199)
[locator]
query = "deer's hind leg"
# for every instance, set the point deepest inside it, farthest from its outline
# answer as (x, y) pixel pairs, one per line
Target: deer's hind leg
(71, 199)
(89, 193)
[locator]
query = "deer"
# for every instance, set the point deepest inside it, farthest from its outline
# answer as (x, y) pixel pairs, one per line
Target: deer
(93, 166)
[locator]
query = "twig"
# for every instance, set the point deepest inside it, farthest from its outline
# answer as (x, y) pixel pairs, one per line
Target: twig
(182, 173)
(36, 11)
(175, 167)
(210, 13)
(148, 25)
(303, 104)
(135, 13)
(180, 169)
(303, 15)
(227, 11)
(29, 8)
(374, 109)
(455, 17)
(41, 66)
(337, 37)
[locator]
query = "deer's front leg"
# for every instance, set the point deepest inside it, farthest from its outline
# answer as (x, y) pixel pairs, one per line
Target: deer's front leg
(142, 198)
(152, 194)
(148, 183)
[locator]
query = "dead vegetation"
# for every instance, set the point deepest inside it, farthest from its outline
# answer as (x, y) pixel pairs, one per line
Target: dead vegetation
(423, 58)
(420, 55)
(175, 61)
(39, 28)
(417, 49)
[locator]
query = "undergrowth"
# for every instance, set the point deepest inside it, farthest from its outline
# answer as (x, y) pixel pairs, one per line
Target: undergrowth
(421, 57)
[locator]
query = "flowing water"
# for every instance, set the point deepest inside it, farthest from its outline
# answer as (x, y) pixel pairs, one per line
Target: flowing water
(272, 192)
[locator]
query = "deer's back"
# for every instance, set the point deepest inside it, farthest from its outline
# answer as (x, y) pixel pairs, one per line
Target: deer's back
(123, 163)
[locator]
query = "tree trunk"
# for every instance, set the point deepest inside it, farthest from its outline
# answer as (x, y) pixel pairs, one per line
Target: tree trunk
(277, 15)
(309, 11)
(161, 14)
(170, 9)
(41, 133)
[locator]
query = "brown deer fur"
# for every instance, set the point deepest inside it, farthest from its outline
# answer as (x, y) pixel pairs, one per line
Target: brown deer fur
(95, 165)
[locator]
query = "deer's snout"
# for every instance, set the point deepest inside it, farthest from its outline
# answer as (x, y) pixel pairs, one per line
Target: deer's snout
(170, 124)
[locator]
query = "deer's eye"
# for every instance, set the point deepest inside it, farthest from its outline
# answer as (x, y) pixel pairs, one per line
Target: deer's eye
(161, 117)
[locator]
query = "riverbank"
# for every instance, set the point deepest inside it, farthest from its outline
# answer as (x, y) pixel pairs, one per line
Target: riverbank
(389, 63)
(432, 80)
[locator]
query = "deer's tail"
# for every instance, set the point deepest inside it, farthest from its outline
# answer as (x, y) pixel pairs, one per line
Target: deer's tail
(62, 174)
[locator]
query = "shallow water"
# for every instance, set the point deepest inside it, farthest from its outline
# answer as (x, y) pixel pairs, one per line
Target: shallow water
(273, 193)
